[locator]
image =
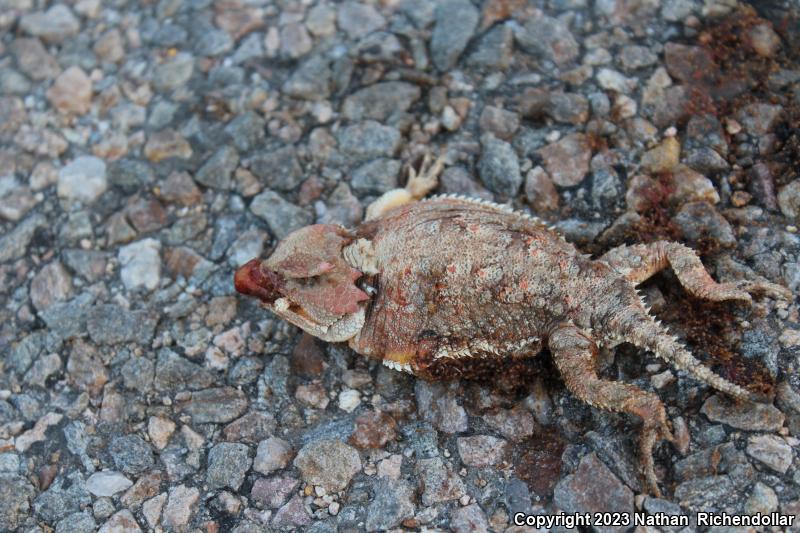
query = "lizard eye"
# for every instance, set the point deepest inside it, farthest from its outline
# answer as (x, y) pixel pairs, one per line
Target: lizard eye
(254, 280)
(367, 288)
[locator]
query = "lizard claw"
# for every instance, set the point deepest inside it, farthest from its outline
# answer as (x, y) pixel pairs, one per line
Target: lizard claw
(420, 184)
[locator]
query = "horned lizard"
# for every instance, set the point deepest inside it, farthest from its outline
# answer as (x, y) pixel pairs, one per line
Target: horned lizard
(430, 286)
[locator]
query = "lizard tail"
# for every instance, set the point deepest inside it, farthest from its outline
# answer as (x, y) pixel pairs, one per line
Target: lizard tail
(645, 332)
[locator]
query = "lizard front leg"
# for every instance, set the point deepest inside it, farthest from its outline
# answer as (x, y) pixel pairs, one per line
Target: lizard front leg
(639, 262)
(575, 353)
(418, 185)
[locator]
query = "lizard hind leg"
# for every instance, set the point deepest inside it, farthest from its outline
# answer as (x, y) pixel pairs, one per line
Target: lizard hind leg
(639, 262)
(574, 354)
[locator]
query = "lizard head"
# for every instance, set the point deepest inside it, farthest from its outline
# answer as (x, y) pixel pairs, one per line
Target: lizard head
(307, 282)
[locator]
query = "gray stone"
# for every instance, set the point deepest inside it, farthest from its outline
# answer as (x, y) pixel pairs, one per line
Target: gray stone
(368, 140)
(376, 177)
(456, 21)
(293, 514)
(141, 264)
(705, 492)
(66, 495)
(469, 519)
(281, 216)
(228, 463)
(437, 403)
(343, 208)
(391, 503)
(53, 26)
(137, 374)
(747, 416)
(107, 483)
(358, 19)
(14, 244)
(274, 491)
(593, 488)
(635, 57)
(215, 405)
(700, 220)
(494, 50)
(481, 450)
(246, 130)
(498, 166)
(131, 454)
(34, 60)
(174, 372)
(50, 285)
(567, 160)
(380, 101)
(549, 39)
(180, 507)
(311, 80)
(789, 199)
(112, 324)
(328, 463)
(121, 522)
(82, 180)
(439, 482)
(81, 522)
(173, 73)
(15, 496)
(217, 171)
(770, 450)
(278, 169)
(273, 454)
(295, 40)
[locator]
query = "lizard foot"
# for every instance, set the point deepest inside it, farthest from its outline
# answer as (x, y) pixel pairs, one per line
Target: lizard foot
(422, 182)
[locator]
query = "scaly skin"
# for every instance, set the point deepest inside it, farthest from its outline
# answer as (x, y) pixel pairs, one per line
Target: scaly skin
(431, 287)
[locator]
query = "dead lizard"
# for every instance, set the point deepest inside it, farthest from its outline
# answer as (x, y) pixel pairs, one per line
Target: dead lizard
(429, 286)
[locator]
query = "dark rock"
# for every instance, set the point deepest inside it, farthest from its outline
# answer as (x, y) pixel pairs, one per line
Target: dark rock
(228, 463)
(175, 373)
(380, 101)
(699, 220)
(437, 403)
(439, 482)
(593, 488)
(131, 454)
(278, 169)
(273, 492)
(215, 405)
(329, 463)
(392, 502)
(15, 496)
(272, 454)
(281, 216)
(311, 80)
(247, 131)
(376, 177)
(368, 140)
(494, 50)
(373, 430)
(111, 324)
(217, 171)
(498, 166)
(251, 428)
(470, 519)
(747, 416)
(293, 514)
(549, 39)
(456, 20)
(66, 495)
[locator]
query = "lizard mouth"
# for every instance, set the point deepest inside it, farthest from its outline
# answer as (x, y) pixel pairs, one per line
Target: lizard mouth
(252, 279)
